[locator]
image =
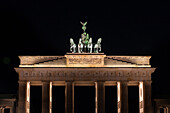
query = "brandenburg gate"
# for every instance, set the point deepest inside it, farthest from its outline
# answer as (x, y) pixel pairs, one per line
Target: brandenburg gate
(77, 69)
(85, 68)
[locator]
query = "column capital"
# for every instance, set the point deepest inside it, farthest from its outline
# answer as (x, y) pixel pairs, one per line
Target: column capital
(148, 81)
(22, 82)
(46, 82)
(124, 82)
(69, 81)
(100, 81)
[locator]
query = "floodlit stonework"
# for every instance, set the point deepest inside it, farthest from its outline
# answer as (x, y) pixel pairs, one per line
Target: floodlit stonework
(84, 60)
(84, 69)
(8, 104)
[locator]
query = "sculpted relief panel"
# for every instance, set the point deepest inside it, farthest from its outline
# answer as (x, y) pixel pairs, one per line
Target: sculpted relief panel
(85, 60)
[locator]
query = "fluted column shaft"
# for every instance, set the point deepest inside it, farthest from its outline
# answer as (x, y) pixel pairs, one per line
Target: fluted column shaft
(11, 110)
(0, 110)
(147, 96)
(124, 97)
(69, 97)
(45, 97)
(100, 107)
(22, 97)
(3, 110)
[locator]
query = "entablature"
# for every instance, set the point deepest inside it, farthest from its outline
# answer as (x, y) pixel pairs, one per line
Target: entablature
(85, 74)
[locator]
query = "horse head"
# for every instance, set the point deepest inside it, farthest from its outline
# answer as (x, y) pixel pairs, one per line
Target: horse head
(99, 41)
(90, 41)
(71, 41)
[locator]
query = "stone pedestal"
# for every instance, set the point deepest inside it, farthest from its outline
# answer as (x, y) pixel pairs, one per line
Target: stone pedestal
(22, 97)
(45, 97)
(69, 97)
(148, 108)
(100, 93)
(124, 97)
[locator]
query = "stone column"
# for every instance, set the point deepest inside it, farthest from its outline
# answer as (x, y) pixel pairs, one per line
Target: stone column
(51, 85)
(28, 98)
(100, 97)
(148, 108)
(168, 109)
(124, 97)
(22, 97)
(141, 102)
(45, 97)
(157, 109)
(14, 108)
(11, 110)
(118, 98)
(0, 109)
(69, 97)
(165, 110)
(3, 110)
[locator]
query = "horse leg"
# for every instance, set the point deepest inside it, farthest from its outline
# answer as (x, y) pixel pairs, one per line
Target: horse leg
(97, 50)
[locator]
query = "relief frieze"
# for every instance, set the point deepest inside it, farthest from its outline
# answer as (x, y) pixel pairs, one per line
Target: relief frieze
(85, 74)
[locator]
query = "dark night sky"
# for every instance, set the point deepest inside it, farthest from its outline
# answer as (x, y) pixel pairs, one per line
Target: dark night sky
(37, 27)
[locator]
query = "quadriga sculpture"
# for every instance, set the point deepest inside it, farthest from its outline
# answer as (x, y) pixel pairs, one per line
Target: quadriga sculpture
(85, 43)
(97, 47)
(72, 46)
(80, 46)
(90, 46)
